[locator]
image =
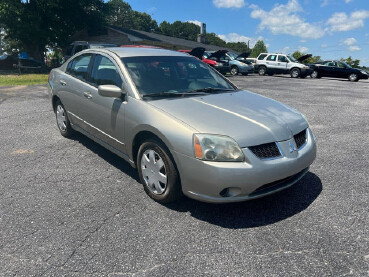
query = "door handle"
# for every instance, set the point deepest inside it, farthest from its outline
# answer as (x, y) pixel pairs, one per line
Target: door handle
(63, 83)
(87, 94)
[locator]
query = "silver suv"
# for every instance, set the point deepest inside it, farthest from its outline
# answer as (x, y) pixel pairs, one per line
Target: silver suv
(275, 63)
(186, 128)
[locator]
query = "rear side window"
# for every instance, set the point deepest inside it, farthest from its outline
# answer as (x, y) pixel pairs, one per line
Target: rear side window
(261, 57)
(104, 72)
(272, 58)
(78, 67)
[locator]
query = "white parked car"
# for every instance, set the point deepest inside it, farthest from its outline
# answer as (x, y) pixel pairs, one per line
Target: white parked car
(275, 63)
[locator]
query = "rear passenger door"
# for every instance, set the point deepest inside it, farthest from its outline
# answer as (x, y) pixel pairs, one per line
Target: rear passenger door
(105, 115)
(271, 63)
(72, 86)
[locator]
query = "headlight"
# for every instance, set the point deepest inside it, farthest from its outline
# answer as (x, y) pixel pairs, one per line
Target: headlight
(364, 72)
(217, 148)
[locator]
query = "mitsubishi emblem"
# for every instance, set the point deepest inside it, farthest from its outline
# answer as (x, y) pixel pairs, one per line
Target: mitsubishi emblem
(292, 146)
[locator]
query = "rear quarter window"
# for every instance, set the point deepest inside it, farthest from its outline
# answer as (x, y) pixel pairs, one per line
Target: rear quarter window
(261, 57)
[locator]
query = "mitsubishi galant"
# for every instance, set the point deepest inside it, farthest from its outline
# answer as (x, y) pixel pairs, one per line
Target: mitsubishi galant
(187, 129)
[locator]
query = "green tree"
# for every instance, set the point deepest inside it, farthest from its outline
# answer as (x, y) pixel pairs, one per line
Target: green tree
(351, 61)
(178, 29)
(312, 59)
(212, 38)
(240, 47)
(120, 13)
(38, 23)
(259, 47)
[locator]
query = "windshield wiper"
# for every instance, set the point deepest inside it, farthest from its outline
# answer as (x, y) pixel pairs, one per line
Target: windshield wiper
(209, 90)
(172, 94)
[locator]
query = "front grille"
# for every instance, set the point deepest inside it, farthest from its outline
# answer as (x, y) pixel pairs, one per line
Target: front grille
(300, 139)
(266, 151)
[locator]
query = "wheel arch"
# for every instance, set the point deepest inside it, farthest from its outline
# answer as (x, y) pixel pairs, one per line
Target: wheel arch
(54, 99)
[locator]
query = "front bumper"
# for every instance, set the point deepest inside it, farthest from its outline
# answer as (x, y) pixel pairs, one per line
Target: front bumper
(306, 71)
(221, 182)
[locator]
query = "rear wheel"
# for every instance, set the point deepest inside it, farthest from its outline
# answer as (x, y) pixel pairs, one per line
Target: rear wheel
(262, 70)
(62, 120)
(295, 73)
(234, 70)
(353, 77)
(157, 172)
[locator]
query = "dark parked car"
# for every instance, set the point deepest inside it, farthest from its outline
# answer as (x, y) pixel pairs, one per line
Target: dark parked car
(338, 69)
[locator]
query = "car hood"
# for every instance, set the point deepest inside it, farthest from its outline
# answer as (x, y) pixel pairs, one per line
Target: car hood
(248, 118)
(217, 54)
(197, 52)
(304, 57)
(243, 55)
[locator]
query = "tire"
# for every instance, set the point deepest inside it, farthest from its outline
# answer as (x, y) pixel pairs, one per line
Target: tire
(353, 77)
(295, 73)
(62, 120)
(262, 70)
(315, 74)
(159, 179)
(234, 70)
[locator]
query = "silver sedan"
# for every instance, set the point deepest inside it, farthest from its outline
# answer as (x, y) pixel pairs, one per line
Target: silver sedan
(187, 129)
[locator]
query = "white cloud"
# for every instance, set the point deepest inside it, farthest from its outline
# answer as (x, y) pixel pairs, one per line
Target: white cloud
(342, 22)
(229, 3)
(303, 49)
(303, 40)
(324, 3)
(354, 48)
(284, 50)
(349, 41)
(234, 37)
(284, 19)
(348, 1)
(196, 22)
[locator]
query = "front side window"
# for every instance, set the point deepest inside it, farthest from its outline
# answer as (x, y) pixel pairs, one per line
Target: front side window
(282, 59)
(78, 67)
(104, 72)
(173, 74)
(272, 58)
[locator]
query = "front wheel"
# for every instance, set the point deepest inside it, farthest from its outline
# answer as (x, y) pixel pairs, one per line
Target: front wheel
(158, 173)
(315, 74)
(234, 70)
(353, 77)
(295, 73)
(62, 120)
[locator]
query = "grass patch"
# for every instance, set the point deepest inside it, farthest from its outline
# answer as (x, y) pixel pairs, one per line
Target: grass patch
(23, 80)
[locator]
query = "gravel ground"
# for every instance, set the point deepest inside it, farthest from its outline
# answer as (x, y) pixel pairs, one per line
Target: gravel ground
(72, 208)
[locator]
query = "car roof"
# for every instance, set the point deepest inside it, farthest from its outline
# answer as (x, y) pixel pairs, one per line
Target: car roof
(137, 51)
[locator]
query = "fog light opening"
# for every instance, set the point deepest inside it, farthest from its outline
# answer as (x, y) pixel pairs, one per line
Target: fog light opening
(230, 192)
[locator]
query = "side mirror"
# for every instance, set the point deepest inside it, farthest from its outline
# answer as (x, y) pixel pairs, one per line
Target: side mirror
(110, 91)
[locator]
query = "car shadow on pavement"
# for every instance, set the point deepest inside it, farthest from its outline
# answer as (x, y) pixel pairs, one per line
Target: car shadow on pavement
(108, 156)
(258, 212)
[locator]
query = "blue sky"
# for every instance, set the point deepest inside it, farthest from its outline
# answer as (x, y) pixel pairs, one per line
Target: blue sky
(328, 28)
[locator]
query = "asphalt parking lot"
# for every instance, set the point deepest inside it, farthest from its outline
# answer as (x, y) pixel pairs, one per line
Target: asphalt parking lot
(72, 208)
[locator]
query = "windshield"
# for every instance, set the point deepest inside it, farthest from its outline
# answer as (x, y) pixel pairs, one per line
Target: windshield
(173, 74)
(292, 59)
(346, 64)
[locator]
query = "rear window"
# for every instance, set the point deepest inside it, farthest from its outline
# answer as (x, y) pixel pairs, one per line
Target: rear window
(262, 56)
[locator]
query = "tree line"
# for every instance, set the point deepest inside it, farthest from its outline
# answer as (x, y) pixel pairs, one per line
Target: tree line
(33, 25)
